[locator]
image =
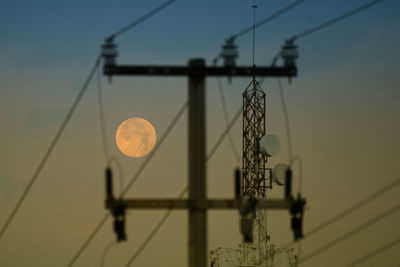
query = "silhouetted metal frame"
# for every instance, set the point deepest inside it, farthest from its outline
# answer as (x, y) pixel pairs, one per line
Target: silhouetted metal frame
(253, 162)
(198, 204)
(114, 70)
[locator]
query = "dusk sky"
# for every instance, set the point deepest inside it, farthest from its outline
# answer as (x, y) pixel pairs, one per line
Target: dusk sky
(344, 114)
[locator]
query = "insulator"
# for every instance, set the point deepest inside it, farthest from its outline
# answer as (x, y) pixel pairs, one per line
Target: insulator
(229, 53)
(297, 212)
(119, 229)
(109, 52)
(289, 53)
(119, 220)
(288, 183)
(109, 184)
(246, 227)
(237, 183)
(296, 223)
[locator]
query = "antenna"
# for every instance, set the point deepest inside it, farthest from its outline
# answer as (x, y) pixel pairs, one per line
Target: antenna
(254, 6)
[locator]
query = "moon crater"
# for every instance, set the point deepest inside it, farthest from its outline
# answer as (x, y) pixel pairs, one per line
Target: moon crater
(135, 137)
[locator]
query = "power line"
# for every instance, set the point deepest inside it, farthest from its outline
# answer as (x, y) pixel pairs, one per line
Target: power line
(349, 210)
(89, 239)
(105, 253)
(151, 13)
(69, 115)
(144, 164)
(226, 118)
(120, 172)
(267, 19)
(134, 178)
(51, 147)
(166, 215)
(351, 233)
(154, 231)
(300, 161)
(101, 116)
(286, 116)
(374, 253)
(292, 158)
(155, 149)
(109, 159)
(335, 20)
(254, 30)
(141, 19)
(227, 129)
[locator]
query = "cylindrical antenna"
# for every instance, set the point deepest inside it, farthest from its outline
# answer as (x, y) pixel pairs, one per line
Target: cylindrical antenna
(288, 183)
(109, 184)
(254, 6)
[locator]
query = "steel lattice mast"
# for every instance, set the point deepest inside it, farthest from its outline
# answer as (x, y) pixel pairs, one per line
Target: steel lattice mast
(254, 181)
(253, 162)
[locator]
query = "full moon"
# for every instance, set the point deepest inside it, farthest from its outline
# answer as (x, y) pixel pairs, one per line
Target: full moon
(135, 137)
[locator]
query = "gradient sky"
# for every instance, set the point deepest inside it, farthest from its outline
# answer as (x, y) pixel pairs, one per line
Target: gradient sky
(343, 106)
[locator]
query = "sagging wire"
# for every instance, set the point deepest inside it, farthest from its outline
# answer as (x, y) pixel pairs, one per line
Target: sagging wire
(109, 158)
(105, 253)
(51, 147)
(184, 191)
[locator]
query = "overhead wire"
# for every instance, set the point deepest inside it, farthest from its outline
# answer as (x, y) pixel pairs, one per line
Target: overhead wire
(282, 99)
(292, 158)
(184, 191)
(165, 4)
(133, 179)
(144, 164)
(335, 20)
(224, 133)
(350, 210)
(295, 37)
(300, 163)
(254, 32)
(120, 172)
(226, 118)
(155, 149)
(105, 253)
(327, 24)
(286, 116)
(88, 240)
(141, 19)
(267, 19)
(163, 219)
(154, 231)
(50, 149)
(108, 158)
(374, 253)
(238, 34)
(102, 117)
(350, 233)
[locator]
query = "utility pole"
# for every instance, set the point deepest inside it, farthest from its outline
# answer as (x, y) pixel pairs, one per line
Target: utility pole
(197, 203)
(197, 167)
